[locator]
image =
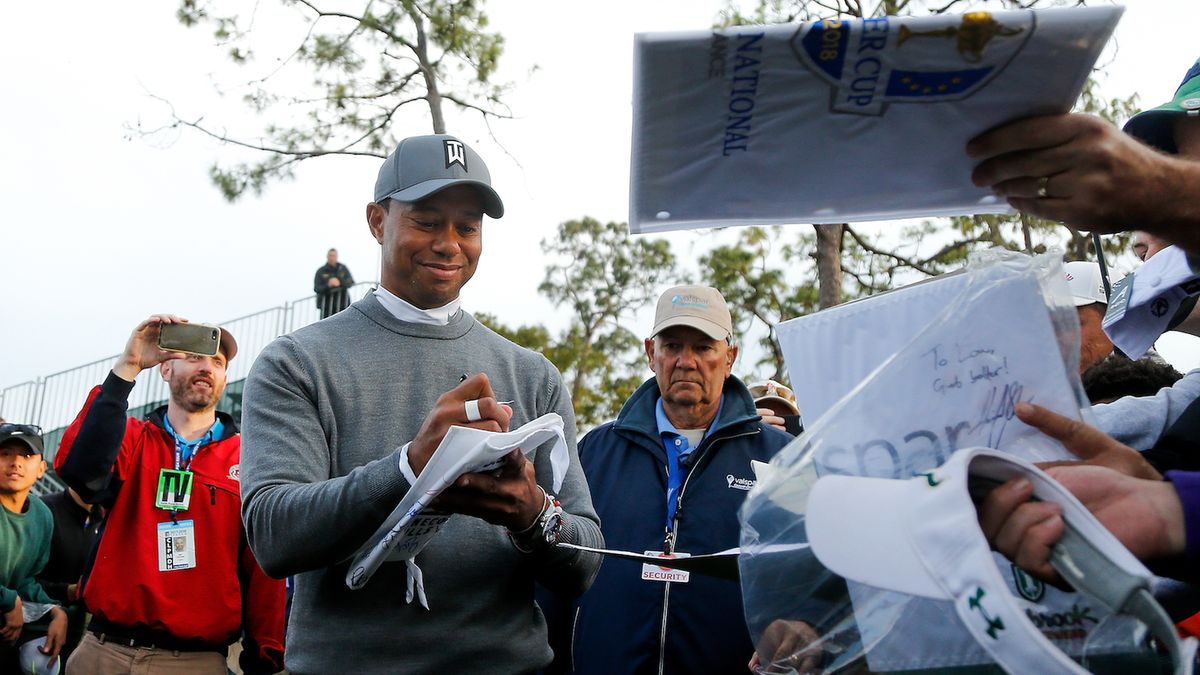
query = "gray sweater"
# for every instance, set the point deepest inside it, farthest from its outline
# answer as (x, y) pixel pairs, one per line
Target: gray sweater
(325, 411)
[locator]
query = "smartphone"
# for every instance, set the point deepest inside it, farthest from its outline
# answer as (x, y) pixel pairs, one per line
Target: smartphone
(190, 338)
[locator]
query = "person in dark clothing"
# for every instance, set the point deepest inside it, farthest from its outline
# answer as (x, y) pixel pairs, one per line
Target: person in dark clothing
(331, 284)
(76, 526)
(1117, 377)
(669, 475)
(25, 526)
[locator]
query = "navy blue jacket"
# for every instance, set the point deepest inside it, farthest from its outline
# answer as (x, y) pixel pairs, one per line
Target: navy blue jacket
(619, 622)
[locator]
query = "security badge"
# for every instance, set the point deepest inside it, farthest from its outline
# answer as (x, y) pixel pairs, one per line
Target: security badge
(176, 546)
(174, 490)
(657, 573)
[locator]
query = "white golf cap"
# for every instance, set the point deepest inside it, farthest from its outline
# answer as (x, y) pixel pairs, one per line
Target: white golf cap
(1146, 301)
(922, 537)
(1085, 282)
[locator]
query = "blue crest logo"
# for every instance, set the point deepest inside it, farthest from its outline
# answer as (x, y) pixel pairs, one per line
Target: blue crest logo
(872, 62)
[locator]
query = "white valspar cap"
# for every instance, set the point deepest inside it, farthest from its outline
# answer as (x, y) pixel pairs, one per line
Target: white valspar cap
(922, 537)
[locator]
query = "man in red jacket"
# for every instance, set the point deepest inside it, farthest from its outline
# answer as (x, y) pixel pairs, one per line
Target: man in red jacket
(172, 582)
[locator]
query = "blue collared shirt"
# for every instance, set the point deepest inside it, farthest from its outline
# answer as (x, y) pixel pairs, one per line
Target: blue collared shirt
(678, 451)
(184, 450)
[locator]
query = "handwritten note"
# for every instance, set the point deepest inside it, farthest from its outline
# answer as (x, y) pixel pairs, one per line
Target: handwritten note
(955, 385)
(863, 334)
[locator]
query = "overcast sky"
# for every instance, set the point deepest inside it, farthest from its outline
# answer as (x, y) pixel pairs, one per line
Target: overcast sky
(101, 228)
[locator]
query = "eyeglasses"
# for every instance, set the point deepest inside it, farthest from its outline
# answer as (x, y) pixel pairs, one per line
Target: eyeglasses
(22, 429)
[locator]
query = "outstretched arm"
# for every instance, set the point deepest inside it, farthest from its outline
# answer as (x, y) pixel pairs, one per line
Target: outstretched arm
(1091, 176)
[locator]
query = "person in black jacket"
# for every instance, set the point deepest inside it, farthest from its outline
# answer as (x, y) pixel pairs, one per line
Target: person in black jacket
(668, 475)
(332, 285)
(76, 526)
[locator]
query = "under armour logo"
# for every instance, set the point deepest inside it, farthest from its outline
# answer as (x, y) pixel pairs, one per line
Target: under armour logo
(929, 477)
(1159, 307)
(995, 625)
(456, 153)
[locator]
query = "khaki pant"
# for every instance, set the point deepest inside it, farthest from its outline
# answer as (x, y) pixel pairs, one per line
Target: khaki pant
(93, 657)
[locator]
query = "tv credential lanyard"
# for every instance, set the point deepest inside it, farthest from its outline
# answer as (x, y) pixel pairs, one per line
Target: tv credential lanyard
(174, 491)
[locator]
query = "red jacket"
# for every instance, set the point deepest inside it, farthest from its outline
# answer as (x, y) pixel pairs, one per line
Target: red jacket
(109, 458)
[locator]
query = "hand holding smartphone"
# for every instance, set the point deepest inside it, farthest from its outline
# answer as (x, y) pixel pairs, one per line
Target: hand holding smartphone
(190, 338)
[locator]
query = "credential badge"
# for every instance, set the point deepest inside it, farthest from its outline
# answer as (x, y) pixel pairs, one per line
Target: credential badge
(456, 153)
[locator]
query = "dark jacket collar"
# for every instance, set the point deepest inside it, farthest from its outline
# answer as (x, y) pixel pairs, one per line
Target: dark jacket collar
(637, 415)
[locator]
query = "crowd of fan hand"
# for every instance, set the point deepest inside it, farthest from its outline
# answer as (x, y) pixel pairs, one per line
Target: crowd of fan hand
(178, 530)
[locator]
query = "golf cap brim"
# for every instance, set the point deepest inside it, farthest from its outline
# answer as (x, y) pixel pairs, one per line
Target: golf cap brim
(921, 537)
(1146, 300)
(709, 328)
(490, 201)
(777, 399)
(31, 442)
(1156, 126)
(228, 345)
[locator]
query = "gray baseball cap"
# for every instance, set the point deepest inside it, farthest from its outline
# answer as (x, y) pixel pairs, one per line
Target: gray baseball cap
(423, 165)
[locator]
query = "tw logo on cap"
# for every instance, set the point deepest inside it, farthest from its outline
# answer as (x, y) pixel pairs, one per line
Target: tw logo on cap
(456, 153)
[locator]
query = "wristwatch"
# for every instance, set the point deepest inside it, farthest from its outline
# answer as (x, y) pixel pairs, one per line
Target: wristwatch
(546, 529)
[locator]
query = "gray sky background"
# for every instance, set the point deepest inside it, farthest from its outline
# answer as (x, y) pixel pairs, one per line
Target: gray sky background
(100, 229)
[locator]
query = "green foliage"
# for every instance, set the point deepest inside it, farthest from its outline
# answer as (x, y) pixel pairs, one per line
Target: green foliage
(533, 337)
(763, 286)
(603, 277)
(365, 66)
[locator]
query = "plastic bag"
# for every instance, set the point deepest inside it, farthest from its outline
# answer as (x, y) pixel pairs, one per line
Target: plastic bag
(1011, 335)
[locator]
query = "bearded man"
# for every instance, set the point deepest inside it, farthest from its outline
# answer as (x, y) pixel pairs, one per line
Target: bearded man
(172, 582)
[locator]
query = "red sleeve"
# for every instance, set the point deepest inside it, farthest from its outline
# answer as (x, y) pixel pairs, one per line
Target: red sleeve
(263, 604)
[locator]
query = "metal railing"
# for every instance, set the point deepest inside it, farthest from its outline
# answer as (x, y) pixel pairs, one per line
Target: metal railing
(53, 401)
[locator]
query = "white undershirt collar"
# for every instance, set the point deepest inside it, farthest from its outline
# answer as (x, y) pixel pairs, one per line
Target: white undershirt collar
(406, 311)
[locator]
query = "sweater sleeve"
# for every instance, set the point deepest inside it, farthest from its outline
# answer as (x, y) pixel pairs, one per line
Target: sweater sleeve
(32, 591)
(298, 518)
(562, 570)
(1139, 421)
(29, 588)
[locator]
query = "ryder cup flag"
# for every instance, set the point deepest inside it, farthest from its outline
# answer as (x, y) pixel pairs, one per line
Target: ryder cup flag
(842, 120)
